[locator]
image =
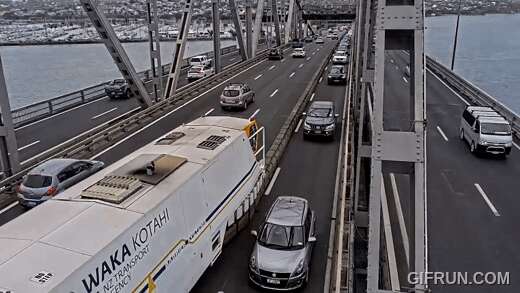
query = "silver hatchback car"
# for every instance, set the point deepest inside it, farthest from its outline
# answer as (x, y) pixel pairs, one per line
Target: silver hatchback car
(237, 95)
(52, 177)
(282, 253)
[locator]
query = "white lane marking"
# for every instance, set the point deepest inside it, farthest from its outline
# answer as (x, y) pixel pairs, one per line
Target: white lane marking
(29, 145)
(300, 66)
(292, 74)
(321, 78)
(313, 53)
(392, 261)
(8, 207)
(312, 97)
(209, 112)
(272, 67)
(405, 80)
(442, 133)
(254, 114)
(104, 113)
(273, 93)
(516, 146)
(308, 58)
(258, 76)
(298, 126)
(318, 49)
(61, 113)
(392, 61)
(400, 217)
(486, 199)
(273, 180)
(174, 110)
(453, 91)
(396, 67)
(283, 60)
(326, 67)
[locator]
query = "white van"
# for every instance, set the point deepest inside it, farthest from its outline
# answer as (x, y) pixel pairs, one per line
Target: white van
(485, 131)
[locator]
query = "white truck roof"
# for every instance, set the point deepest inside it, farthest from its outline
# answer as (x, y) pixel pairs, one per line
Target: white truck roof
(42, 247)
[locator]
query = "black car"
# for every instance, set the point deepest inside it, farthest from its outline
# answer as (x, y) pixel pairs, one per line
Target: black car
(320, 120)
(308, 39)
(275, 54)
(117, 89)
(337, 74)
(297, 44)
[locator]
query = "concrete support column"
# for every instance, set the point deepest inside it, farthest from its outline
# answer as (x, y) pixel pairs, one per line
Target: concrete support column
(215, 5)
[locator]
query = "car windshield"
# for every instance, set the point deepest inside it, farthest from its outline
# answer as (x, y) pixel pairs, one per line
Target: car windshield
(196, 69)
(320, 112)
(336, 70)
(274, 51)
(495, 129)
(117, 81)
(196, 59)
(231, 93)
(281, 237)
(37, 181)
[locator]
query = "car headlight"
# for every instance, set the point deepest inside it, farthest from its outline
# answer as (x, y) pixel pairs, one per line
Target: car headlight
(483, 142)
(252, 263)
(329, 127)
(299, 268)
(330, 76)
(306, 125)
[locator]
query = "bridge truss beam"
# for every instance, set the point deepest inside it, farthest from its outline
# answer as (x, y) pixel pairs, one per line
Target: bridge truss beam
(8, 147)
(274, 9)
(258, 25)
(152, 16)
(178, 53)
(118, 53)
(238, 29)
(399, 150)
(215, 7)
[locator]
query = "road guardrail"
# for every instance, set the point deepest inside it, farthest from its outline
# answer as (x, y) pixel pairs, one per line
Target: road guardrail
(39, 110)
(473, 93)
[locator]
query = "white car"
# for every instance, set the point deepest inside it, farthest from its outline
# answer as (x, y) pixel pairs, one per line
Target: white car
(199, 71)
(340, 57)
(200, 60)
(298, 53)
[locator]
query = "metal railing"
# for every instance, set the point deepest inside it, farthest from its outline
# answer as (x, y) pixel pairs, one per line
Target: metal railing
(39, 110)
(473, 94)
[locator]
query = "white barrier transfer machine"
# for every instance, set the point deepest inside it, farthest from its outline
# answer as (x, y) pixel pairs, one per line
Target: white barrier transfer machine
(153, 221)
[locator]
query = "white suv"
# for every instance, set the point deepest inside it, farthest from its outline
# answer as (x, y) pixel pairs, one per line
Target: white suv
(485, 131)
(340, 57)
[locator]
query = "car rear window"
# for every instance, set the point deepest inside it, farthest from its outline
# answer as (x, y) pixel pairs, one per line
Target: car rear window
(231, 93)
(37, 181)
(196, 59)
(196, 69)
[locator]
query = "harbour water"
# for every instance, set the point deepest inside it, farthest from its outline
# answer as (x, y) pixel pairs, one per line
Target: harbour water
(36, 73)
(487, 55)
(488, 52)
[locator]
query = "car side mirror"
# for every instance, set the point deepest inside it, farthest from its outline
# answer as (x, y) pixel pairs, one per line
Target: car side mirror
(254, 233)
(312, 239)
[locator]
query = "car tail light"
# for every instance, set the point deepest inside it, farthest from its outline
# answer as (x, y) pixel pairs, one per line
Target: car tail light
(52, 191)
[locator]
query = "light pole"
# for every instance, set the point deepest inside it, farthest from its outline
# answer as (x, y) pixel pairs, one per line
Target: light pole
(456, 37)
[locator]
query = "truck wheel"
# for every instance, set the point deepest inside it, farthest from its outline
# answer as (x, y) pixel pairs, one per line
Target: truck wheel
(472, 147)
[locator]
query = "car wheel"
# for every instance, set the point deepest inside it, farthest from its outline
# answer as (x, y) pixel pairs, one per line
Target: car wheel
(461, 134)
(472, 147)
(245, 105)
(253, 99)
(127, 94)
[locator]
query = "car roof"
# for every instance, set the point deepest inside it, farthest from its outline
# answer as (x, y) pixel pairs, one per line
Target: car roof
(234, 86)
(298, 49)
(198, 56)
(497, 120)
(479, 108)
(322, 104)
(52, 167)
(288, 211)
